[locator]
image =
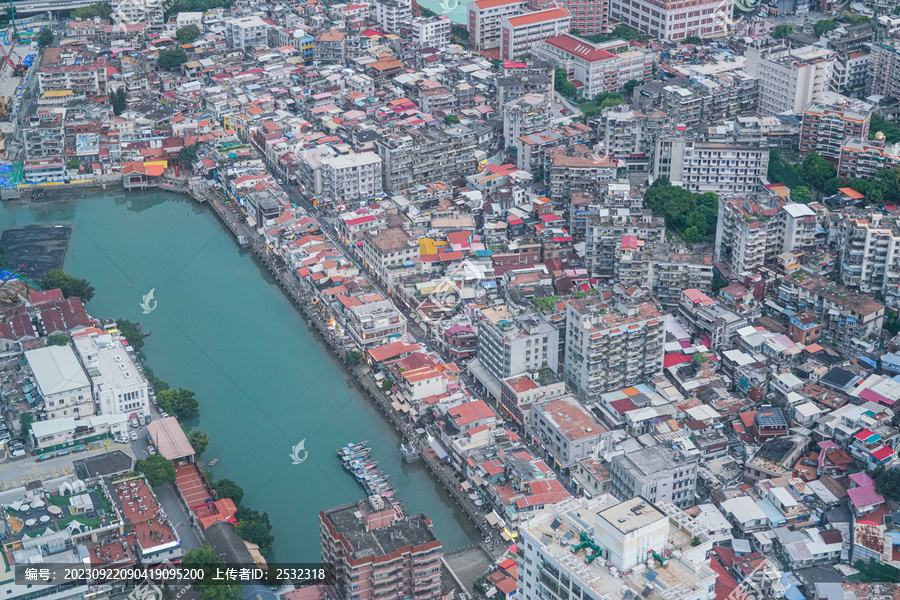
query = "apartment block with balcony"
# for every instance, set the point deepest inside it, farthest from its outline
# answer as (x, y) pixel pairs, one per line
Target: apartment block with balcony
(81, 72)
(826, 126)
(851, 321)
(725, 169)
(577, 170)
(749, 233)
(605, 231)
(350, 177)
(431, 32)
(247, 33)
(420, 156)
(861, 158)
(590, 17)
(391, 253)
(520, 392)
(630, 136)
(378, 553)
(884, 64)
(43, 134)
(526, 115)
(701, 99)
(612, 344)
(790, 79)
(654, 473)
(665, 269)
(869, 246)
(511, 345)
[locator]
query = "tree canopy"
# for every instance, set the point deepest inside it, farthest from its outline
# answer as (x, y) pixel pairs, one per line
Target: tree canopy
(199, 441)
(206, 558)
(131, 333)
(890, 130)
(45, 37)
(824, 26)
(801, 194)
(562, 84)
(25, 420)
(58, 340)
(693, 216)
(157, 469)
(818, 173)
(255, 528)
(451, 119)
(630, 85)
(69, 286)
(188, 34)
(226, 488)
(99, 9)
(172, 59)
(179, 402)
(782, 31)
(119, 101)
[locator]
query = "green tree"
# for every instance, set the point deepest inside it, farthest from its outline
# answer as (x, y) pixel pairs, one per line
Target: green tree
(451, 120)
(782, 171)
(887, 482)
(204, 558)
(119, 101)
(172, 59)
(718, 281)
(629, 87)
(256, 532)
(783, 31)
(179, 402)
(73, 163)
(801, 194)
(199, 441)
(817, 172)
(188, 34)
(226, 488)
(25, 420)
(354, 357)
(157, 383)
(562, 84)
(425, 12)
(100, 9)
(892, 324)
(386, 385)
(45, 37)
(157, 469)
(58, 340)
(890, 130)
(824, 26)
(132, 334)
(70, 286)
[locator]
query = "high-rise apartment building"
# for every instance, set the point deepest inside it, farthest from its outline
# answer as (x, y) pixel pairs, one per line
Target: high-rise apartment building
(377, 552)
(612, 344)
(726, 169)
(825, 126)
(790, 79)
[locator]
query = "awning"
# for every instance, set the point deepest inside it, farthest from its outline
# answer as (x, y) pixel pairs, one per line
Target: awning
(395, 405)
(505, 536)
(492, 518)
(439, 450)
(466, 485)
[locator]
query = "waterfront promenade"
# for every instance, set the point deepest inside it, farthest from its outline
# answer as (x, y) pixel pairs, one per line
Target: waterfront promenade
(273, 261)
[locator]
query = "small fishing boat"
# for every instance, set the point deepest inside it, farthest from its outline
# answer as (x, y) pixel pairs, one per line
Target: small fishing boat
(213, 462)
(351, 447)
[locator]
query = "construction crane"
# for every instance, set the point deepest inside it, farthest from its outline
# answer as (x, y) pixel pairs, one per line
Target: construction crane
(12, 276)
(12, 16)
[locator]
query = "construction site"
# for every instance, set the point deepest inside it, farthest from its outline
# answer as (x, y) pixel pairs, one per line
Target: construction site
(33, 250)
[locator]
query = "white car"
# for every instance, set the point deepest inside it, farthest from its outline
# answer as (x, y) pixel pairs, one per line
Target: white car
(151, 450)
(133, 436)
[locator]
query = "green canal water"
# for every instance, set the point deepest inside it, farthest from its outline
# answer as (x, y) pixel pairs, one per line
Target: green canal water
(223, 328)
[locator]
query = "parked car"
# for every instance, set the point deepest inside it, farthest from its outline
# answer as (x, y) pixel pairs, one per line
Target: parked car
(134, 436)
(135, 423)
(151, 450)
(146, 419)
(163, 414)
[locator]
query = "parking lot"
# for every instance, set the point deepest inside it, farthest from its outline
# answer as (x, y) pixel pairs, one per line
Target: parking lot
(19, 472)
